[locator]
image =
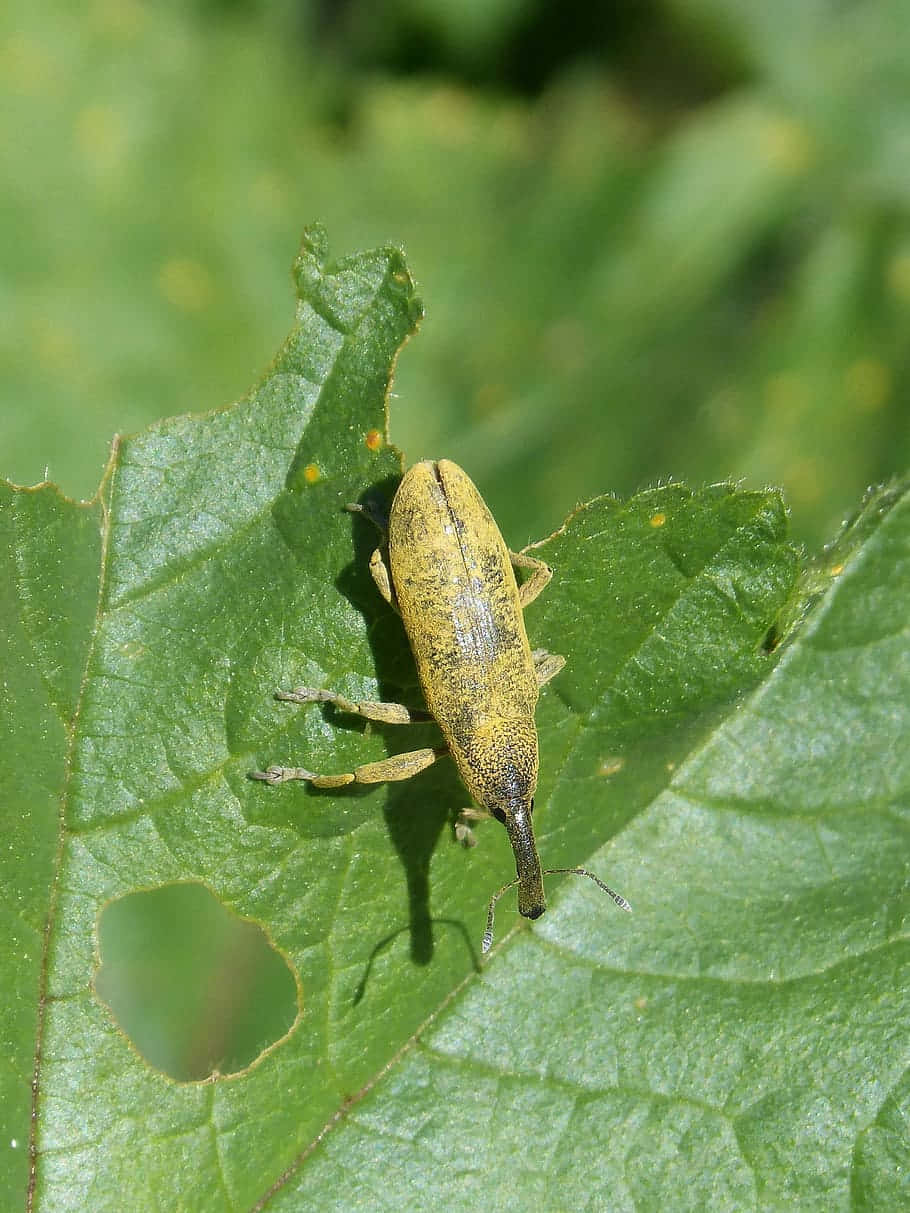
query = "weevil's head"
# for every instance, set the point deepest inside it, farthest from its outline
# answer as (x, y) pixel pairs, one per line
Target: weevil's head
(503, 768)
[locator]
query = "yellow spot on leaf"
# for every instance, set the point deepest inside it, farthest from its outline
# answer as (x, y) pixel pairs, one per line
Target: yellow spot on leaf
(657, 519)
(311, 473)
(373, 440)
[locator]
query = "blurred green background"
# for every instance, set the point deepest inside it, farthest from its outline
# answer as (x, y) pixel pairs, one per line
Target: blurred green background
(655, 239)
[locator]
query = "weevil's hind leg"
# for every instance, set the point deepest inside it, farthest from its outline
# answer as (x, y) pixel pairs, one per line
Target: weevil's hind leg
(463, 832)
(540, 576)
(387, 770)
(546, 665)
(371, 709)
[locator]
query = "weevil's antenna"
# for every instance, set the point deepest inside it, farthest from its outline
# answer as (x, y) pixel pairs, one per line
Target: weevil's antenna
(617, 898)
(487, 941)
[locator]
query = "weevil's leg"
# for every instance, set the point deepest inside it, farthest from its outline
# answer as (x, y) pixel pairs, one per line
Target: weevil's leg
(546, 665)
(378, 566)
(540, 576)
(372, 709)
(380, 571)
(372, 510)
(463, 832)
(387, 770)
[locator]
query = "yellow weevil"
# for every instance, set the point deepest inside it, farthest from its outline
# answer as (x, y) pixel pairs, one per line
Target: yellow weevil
(450, 576)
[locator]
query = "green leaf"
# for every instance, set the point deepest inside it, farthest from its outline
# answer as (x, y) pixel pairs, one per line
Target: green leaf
(742, 1043)
(723, 747)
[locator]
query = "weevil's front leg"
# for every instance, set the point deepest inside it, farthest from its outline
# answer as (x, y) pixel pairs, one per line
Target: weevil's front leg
(378, 566)
(540, 576)
(546, 665)
(371, 709)
(387, 770)
(380, 572)
(463, 831)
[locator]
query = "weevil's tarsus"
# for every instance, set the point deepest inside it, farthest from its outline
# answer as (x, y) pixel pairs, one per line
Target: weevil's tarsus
(541, 575)
(463, 832)
(546, 665)
(371, 709)
(616, 898)
(275, 775)
(465, 835)
(377, 514)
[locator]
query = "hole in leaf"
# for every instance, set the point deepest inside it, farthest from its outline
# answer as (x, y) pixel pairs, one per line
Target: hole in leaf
(197, 990)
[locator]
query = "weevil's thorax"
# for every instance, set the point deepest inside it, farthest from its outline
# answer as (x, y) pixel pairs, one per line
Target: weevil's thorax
(499, 765)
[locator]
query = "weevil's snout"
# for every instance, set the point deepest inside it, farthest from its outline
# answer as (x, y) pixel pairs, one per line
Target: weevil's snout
(531, 898)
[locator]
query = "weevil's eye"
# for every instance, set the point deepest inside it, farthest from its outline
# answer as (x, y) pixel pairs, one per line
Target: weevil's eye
(531, 807)
(499, 815)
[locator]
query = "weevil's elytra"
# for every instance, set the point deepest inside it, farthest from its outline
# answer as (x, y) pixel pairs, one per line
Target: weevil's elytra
(460, 606)
(451, 577)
